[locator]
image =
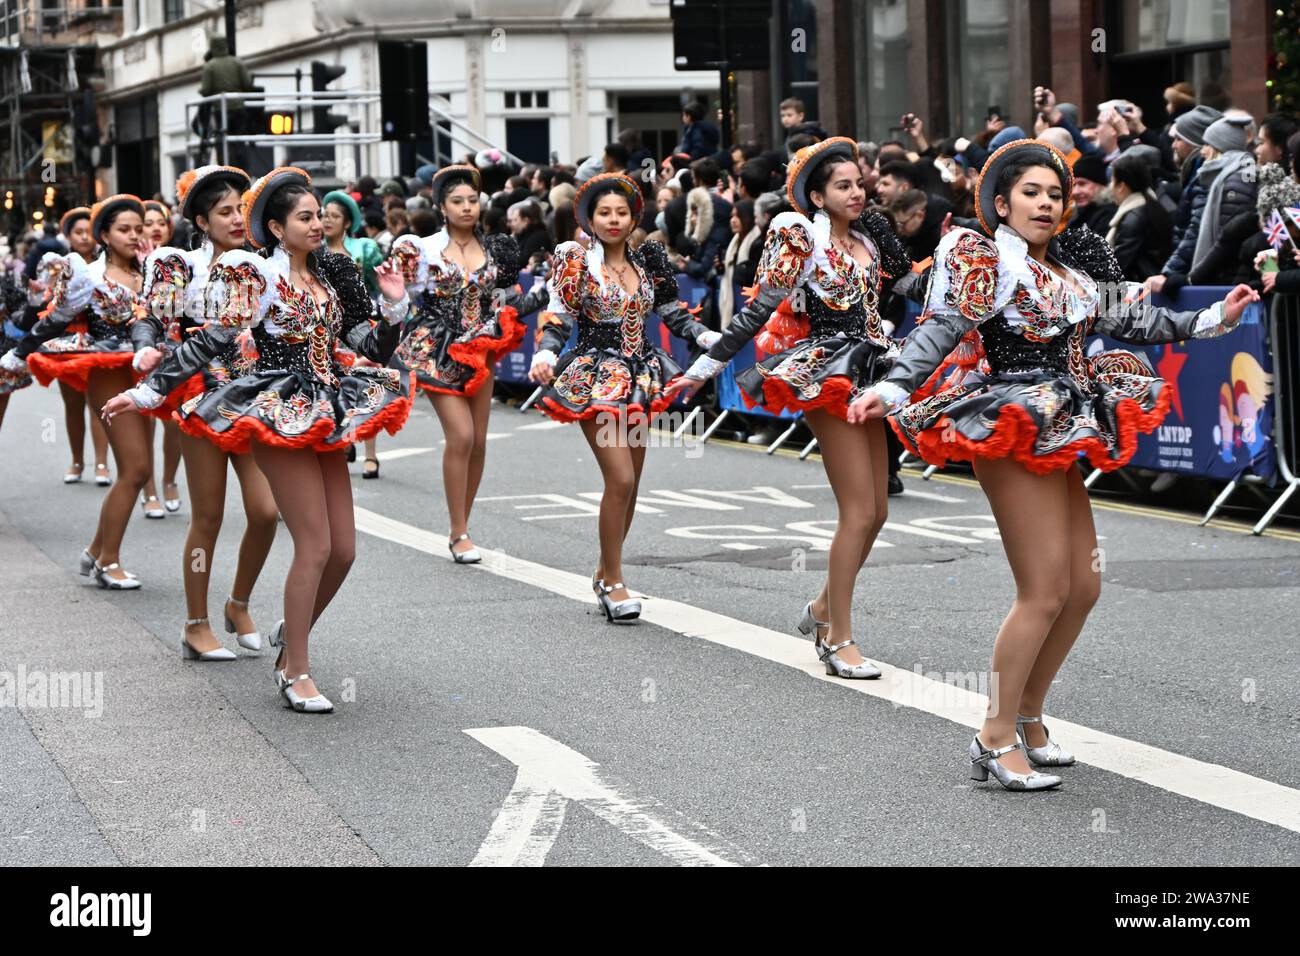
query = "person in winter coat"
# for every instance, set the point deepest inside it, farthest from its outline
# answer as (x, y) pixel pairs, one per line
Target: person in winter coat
(1228, 175)
(1139, 231)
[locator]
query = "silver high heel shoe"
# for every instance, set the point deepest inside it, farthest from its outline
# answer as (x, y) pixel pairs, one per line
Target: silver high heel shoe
(276, 639)
(130, 583)
(808, 625)
(1051, 755)
(463, 557)
(252, 641)
(617, 612)
(319, 704)
(190, 654)
(982, 760)
(87, 563)
(864, 671)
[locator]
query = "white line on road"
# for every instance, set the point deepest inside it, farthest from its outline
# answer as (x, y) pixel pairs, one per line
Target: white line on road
(527, 825)
(524, 825)
(401, 453)
(1208, 783)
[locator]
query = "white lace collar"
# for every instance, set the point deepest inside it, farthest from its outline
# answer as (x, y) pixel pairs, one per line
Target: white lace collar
(1015, 264)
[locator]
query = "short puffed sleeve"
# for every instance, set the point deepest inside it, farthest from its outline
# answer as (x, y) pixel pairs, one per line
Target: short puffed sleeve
(967, 280)
(408, 252)
(568, 277)
(787, 252)
(244, 284)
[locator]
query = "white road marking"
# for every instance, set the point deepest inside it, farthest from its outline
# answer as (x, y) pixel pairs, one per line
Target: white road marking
(932, 496)
(525, 824)
(1207, 783)
(541, 426)
(401, 453)
(928, 533)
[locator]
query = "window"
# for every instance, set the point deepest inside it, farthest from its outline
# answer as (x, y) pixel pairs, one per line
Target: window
(1157, 24)
(173, 10)
(527, 99)
(978, 42)
(882, 68)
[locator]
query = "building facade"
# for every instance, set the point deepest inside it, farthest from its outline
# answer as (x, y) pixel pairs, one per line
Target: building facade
(536, 77)
(950, 61)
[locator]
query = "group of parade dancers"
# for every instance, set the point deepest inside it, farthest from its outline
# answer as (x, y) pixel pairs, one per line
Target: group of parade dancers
(268, 351)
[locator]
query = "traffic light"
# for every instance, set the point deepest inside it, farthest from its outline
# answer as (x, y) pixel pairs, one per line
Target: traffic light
(322, 75)
(279, 124)
(85, 133)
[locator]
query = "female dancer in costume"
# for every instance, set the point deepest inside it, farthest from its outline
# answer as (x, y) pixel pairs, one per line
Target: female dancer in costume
(613, 376)
(287, 397)
(466, 320)
(178, 301)
(1022, 402)
(838, 262)
(94, 356)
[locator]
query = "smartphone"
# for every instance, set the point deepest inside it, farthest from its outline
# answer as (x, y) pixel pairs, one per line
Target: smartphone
(995, 112)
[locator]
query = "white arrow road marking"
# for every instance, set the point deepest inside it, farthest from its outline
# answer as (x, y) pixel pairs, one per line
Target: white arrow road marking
(550, 772)
(1209, 783)
(527, 825)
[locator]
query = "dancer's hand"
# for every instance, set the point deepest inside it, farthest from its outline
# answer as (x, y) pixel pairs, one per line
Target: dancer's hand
(1236, 302)
(542, 373)
(116, 406)
(683, 386)
(869, 406)
(147, 359)
(391, 283)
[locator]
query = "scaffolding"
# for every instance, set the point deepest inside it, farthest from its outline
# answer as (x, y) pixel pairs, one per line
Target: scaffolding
(46, 53)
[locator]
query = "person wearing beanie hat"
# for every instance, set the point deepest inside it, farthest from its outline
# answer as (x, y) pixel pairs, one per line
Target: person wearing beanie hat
(1190, 127)
(1092, 205)
(1226, 134)
(1223, 188)
(1005, 135)
(1229, 173)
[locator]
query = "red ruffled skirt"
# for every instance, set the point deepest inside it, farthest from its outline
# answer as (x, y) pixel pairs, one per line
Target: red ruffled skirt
(442, 359)
(1046, 423)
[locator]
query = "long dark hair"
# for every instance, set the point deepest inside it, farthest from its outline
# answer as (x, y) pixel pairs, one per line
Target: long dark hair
(205, 197)
(278, 207)
(108, 224)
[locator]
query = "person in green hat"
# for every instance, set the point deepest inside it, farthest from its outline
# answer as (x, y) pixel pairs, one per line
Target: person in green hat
(344, 225)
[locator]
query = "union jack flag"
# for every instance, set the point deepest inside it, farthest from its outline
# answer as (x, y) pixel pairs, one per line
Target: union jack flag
(1275, 231)
(1293, 213)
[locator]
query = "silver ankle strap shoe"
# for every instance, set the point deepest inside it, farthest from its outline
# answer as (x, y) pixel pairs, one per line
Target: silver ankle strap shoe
(982, 760)
(864, 671)
(1051, 755)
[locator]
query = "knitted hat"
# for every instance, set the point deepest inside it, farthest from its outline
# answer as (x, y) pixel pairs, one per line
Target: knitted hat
(1071, 112)
(1227, 134)
(1192, 124)
(1181, 95)
(1006, 135)
(1091, 168)
(1276, 190)
(1148, 154)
